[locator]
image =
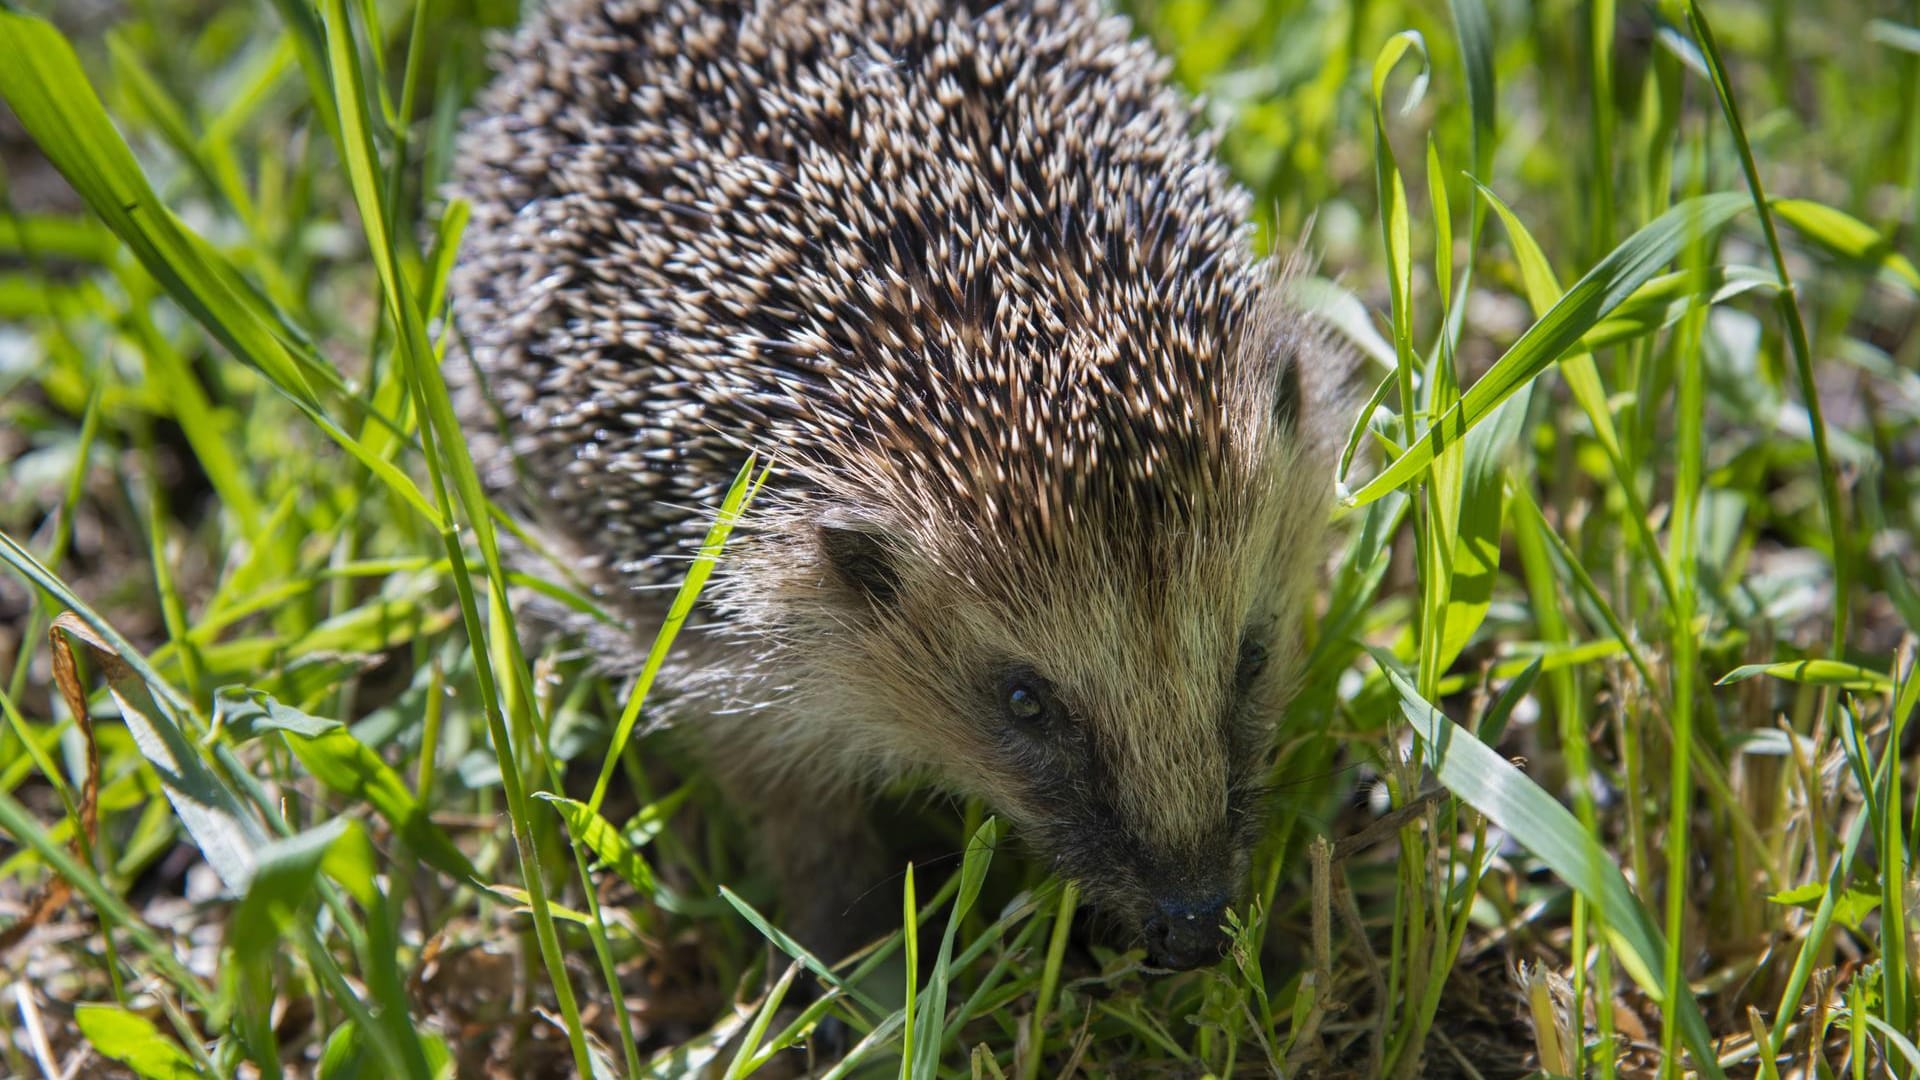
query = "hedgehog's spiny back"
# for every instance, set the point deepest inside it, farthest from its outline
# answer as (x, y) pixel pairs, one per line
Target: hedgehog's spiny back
(982, 265)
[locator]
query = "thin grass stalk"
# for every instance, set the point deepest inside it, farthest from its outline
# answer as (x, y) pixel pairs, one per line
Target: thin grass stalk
(1789, 305)
(1896, 974)
(1689, 407)
(910, 933)
(597, 924)
(440, 430)
(36, 620)
(1049, 981)
(1600, 20)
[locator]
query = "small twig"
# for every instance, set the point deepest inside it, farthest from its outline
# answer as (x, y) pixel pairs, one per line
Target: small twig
(1458, 1057)
(1350, 917)
(1306, 1041)
(1322, 855)
(1081, 1040)
(36, 1031)
(1388, 824)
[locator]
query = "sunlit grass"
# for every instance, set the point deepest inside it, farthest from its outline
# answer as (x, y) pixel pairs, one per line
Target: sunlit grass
(1611, 678)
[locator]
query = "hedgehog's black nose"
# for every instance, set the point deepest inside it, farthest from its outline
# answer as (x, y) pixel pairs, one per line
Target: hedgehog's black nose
(1182, 935)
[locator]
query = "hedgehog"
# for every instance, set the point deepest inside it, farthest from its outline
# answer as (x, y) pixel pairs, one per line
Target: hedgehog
(1051, 453)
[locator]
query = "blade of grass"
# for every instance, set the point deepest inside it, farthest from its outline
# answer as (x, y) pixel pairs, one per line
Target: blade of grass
(1896, 973)
(1838, 673)
(1396, 228)
(1493, 786)
(1604, 288)
(54, 101)
(910, 933)
(1789, 307)
(745, 1058)
(929, 1029)
(442, 434)
(745, 484)
(794, 949)
(1847, 237)
(1682, 573)
(1049, 981)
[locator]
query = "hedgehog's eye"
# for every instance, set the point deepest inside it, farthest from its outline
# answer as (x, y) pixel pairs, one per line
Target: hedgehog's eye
(1253, 660)
(1027, 699)
(1024, 704)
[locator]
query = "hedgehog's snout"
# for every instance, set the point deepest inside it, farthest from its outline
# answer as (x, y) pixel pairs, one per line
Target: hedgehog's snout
(1185, 933)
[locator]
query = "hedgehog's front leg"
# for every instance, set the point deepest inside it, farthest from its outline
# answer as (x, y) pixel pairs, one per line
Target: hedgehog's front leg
(832, 872)
(826, 859)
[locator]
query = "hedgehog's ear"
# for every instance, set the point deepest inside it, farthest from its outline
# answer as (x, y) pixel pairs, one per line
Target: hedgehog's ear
(859, 552)
(1286, 392)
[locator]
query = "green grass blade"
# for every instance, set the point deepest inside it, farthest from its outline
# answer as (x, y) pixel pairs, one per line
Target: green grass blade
(878, 1037)
(1396, 228)
(1492, 785)
(1897, 1039)
(447, 458)
(745, 484)
(606, 842)
(910, 934)
(1474, 30)
(1049, 980)
(1815, 673)
(1847, 237)
(745, 1059)
(1662, 302)
(794, 949)
(1789, 307)
(134, 1041)
(1603, 289)
(929, 1027)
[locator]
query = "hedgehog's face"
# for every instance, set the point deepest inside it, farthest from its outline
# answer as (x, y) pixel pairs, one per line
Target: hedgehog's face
(1118, 705)
(1134, 760)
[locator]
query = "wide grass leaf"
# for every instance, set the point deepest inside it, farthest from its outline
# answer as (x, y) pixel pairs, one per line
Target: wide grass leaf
(348, 1056)
(1839, 673)
(1538, 822)
(221, 827)
(1895, 35)
(133, 1041)
(50, 94)
(1846, 236)
(349, 768)
(604, 840)
(1591, 299)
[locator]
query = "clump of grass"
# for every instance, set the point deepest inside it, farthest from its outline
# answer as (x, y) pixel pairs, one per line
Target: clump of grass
(1606, 711)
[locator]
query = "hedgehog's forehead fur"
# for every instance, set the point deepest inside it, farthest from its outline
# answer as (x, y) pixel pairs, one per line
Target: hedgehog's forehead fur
(970, 276)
